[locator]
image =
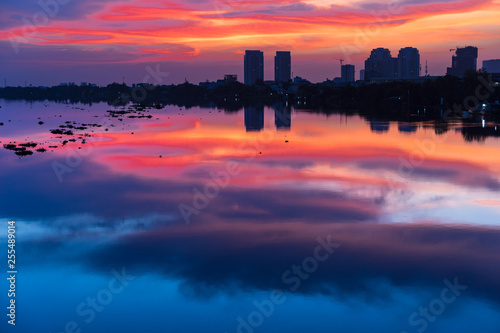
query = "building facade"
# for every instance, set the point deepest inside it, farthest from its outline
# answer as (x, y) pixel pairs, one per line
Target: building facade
(282, 66)
(381, 64)
(347, 73)
(492, 66)
(464, 59)
(408, 63)
(254, 66)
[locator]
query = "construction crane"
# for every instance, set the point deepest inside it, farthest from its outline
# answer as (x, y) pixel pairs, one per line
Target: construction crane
(341, 63)
(340, 59)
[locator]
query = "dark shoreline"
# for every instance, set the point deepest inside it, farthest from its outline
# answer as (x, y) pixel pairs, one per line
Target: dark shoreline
(397, 99)
(439, 103)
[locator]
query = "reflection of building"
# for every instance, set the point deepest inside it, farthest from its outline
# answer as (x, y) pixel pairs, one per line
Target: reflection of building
(492, 66)
(347, 73)
(282, 116)
(254, 118)
(408, 63)
(282, 66)
(464, 59)
(379, 126)
(254, 66)
(381, 64)
(407, 127)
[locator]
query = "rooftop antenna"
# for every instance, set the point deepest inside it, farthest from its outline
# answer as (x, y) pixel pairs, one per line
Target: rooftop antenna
(426, 69)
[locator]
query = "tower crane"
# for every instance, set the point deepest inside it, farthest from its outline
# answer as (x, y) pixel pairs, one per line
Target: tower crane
(341, 63)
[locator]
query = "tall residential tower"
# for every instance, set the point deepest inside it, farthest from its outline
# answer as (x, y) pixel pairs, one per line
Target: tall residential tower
(408, 63)
(381, 64)
(282, 66)
(254, 66)
(347, 74)
(464, 59)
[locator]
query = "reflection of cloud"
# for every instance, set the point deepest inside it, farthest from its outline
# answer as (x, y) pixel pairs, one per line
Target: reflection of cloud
(433, 169)
(488, 202)
(255, 256)
(267, 233)
(122, 196)
(335, 184)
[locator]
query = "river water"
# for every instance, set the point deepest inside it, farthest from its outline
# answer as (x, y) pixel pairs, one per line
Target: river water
(266, 219)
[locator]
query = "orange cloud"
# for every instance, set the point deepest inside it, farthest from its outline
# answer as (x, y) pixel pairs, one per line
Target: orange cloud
(171, 30)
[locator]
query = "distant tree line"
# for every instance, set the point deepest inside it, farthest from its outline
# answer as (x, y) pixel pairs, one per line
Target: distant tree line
(384, 100)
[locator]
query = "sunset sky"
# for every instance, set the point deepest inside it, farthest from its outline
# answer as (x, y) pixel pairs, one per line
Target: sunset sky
(116, 40)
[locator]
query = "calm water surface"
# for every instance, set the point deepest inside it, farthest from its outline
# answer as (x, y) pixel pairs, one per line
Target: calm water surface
(261, 220)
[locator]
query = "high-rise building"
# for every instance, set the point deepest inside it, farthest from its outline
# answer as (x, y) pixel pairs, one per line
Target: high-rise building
(282, 66)
(254, 66)
(347, 73)
(492, 66)
(381, 64)
(408, 63)
(464, 59)
(362, 75)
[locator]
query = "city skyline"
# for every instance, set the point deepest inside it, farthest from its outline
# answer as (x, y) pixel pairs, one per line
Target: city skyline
(379, 65)
(406, 65)
(197, 41)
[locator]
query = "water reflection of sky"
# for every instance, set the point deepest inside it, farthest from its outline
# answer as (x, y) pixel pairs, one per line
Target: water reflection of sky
(409, 207)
